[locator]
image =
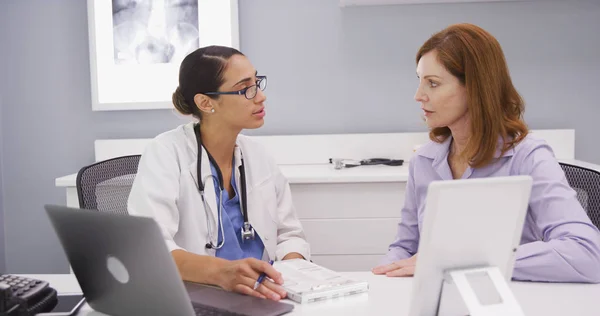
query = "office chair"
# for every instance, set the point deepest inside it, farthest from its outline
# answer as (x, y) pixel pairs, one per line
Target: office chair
(586, 182)
(105, 185)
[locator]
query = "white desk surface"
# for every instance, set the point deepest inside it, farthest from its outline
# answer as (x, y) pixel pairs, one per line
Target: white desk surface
(321, 173)
(390, 296)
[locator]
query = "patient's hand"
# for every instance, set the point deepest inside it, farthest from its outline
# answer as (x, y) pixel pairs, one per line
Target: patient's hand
(400, 268)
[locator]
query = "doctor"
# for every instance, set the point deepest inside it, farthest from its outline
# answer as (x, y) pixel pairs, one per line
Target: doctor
(222, 203)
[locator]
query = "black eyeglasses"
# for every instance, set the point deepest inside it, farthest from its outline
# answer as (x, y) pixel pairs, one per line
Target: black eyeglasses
(249, 92)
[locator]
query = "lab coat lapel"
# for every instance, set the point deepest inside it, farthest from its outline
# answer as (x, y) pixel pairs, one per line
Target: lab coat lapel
(258, 215)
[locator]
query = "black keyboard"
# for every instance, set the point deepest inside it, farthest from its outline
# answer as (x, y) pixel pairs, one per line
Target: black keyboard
(203, 310)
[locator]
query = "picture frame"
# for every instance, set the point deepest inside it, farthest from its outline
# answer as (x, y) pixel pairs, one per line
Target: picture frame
(136, 47)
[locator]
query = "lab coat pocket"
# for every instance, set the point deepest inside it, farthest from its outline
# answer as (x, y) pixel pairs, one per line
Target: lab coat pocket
(268, 201)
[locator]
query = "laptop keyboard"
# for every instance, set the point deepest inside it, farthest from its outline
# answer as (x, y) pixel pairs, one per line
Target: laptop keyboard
(203, 310)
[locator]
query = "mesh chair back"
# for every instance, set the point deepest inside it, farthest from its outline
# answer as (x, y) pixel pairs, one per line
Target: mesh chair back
(105, 185)
(586, 182)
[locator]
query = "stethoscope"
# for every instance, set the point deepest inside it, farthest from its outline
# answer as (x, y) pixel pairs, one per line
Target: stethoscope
(247, 231)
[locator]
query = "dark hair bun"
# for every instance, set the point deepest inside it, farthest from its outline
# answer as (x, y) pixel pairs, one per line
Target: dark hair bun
(179, 102)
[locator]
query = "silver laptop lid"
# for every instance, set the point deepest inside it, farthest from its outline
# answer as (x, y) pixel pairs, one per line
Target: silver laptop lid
(118, 274)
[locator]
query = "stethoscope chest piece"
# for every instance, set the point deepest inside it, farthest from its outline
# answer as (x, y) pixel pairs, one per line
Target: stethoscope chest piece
(247, 232)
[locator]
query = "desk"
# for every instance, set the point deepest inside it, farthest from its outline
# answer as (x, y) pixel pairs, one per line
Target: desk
(391, 296)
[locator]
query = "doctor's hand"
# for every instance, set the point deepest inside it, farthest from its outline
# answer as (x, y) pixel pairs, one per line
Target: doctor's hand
(400, 268)
(240, 276)
(293, 255)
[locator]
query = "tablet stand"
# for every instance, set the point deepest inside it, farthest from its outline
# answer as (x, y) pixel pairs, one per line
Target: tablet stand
(477, 292)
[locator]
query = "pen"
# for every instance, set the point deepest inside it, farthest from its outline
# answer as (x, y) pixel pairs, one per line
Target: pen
(261, 277)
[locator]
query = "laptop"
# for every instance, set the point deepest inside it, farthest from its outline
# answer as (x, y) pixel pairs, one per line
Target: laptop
(124, 268)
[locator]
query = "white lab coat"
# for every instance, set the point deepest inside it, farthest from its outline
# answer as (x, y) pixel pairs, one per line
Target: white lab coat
(166, 189)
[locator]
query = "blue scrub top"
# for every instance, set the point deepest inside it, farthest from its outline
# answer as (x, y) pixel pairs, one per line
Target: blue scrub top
(234, 248)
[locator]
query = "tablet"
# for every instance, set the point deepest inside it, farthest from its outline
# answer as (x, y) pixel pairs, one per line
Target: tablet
(467, 223)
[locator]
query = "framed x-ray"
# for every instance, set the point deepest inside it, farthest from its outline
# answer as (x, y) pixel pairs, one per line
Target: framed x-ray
(136, 46)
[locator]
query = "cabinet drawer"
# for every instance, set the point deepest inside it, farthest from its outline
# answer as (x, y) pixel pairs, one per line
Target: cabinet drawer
(350, 236)
(348, 263)
(348, 200)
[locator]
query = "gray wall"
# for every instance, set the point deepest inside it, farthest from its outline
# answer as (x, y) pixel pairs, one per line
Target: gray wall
(3, 14)
(2, 235)
(331, 70)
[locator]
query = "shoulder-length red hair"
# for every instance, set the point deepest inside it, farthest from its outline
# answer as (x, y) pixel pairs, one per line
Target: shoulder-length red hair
(495, 107)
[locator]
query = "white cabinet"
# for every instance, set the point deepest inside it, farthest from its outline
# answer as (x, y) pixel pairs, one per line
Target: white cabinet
(349, 225)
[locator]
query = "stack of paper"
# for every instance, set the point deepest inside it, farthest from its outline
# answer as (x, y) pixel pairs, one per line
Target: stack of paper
(305, 281)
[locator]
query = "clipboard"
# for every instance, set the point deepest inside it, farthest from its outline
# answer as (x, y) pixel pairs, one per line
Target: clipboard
(307, 282)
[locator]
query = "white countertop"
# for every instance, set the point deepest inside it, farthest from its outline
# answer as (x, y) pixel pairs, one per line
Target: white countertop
(325, 173)
(318, 173)
(391, 296)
